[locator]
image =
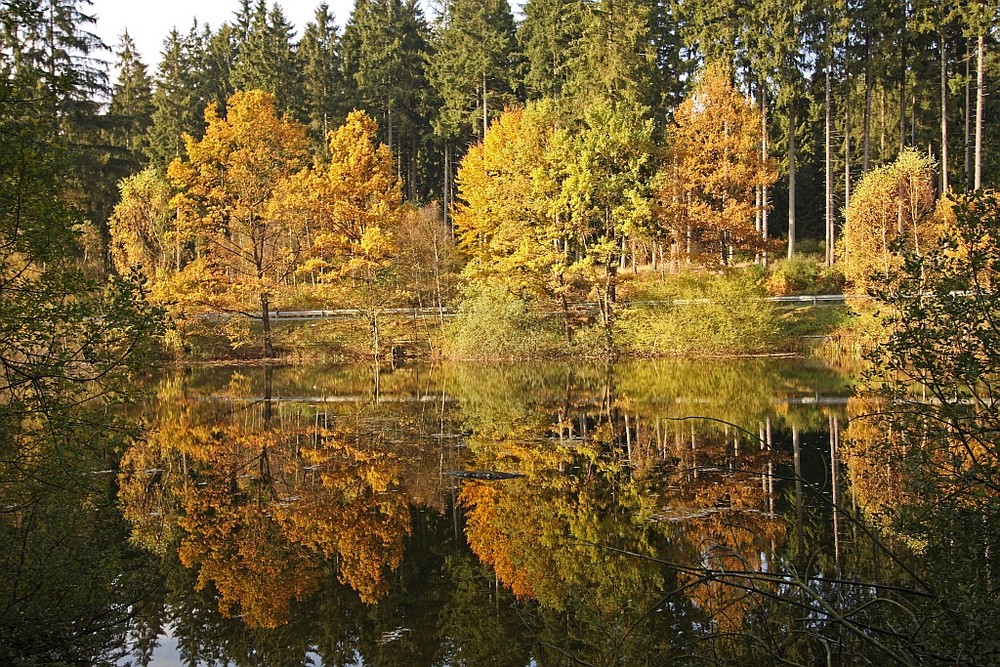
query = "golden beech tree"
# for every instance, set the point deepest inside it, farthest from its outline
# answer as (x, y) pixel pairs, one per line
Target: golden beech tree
(232, 189)
(352, 208)
(711, 171)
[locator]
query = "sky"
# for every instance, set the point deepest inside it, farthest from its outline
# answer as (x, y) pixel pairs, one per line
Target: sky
(148, 23)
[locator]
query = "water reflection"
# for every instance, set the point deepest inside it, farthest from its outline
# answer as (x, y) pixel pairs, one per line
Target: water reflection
(308, 512)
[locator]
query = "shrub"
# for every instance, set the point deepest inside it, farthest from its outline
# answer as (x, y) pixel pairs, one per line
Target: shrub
(804, 275)
(717, 314)
(493, 323)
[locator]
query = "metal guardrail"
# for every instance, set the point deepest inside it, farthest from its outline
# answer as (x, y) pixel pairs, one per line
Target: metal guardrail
(586, 307)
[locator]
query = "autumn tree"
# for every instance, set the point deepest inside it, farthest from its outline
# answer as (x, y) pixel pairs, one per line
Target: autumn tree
(894, 202)
(711, 172)
(508, 221)
(231, 187)
(141, 225)
(352, 207)
(928, 434)
(606, 194)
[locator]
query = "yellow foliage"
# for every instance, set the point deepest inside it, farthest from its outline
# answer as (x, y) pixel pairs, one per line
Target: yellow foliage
(893, 202)
(711, 170)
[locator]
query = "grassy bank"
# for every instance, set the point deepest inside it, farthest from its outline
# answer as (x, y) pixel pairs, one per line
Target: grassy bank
(684, 315)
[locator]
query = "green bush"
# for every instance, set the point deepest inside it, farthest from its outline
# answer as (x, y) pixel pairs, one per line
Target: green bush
(804, 275)
(493, 323)
(701, 315)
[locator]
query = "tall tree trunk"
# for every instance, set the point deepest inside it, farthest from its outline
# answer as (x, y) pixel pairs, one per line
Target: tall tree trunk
(828, 161)
(980, 63)
(968, 115)
(792, 126)
(866, 160)
(445, 200)
(265, 307)
(944, 111)
(902, 82)
(847, 131)
(763, 157)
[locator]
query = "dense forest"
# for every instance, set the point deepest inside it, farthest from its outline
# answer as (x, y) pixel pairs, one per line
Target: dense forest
(857, 81)
(557, 148)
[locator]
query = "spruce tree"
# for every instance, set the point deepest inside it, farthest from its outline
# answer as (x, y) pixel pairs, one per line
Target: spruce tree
(267, 61)
(131, 108)
(319, 53)
(385, 47)
(178, 106)
(472, 65)
(618, 58)
(218, 60)
(550, 37)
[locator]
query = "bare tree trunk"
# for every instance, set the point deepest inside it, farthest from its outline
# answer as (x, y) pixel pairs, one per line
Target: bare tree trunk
(792, 126)
(944, 111)
(763, 157)
(968, 115)
(828, 162)
(902, 84)
(866, 161)
(847, 132)
(980, 60)
(266, 324)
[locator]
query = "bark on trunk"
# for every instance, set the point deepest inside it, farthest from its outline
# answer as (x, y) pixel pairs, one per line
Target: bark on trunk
(265, 313)
(944, 112)
(828, 162)
(792, 121)
(980, 60)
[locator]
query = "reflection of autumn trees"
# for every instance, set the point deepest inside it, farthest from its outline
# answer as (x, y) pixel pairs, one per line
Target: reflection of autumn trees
(616, 487)
(260, 503)
(634, 524)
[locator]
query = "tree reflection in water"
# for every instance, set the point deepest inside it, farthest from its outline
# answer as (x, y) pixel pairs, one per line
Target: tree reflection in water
(658, 518)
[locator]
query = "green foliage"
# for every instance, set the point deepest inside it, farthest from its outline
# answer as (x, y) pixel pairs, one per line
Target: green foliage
(472, 65)
(131, 108)
(804, 275)
(71, 349)
(892, 206)
(930, 422)
(322, 83)
(723, 314)
(492, 323)
(178, 102)
(267, 60)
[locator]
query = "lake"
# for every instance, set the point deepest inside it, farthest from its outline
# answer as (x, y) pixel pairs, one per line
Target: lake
(645, 513)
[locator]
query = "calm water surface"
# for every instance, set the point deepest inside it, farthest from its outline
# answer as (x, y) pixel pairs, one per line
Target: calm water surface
(646, 513)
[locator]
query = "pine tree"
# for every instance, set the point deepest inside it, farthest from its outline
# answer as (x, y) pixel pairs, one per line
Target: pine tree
(618, 58)
(550, 37)
(472, 65)
(385, 46)
(131, 108)
(319, 52)
(177, 100)
(267, 61)
(219, 58)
